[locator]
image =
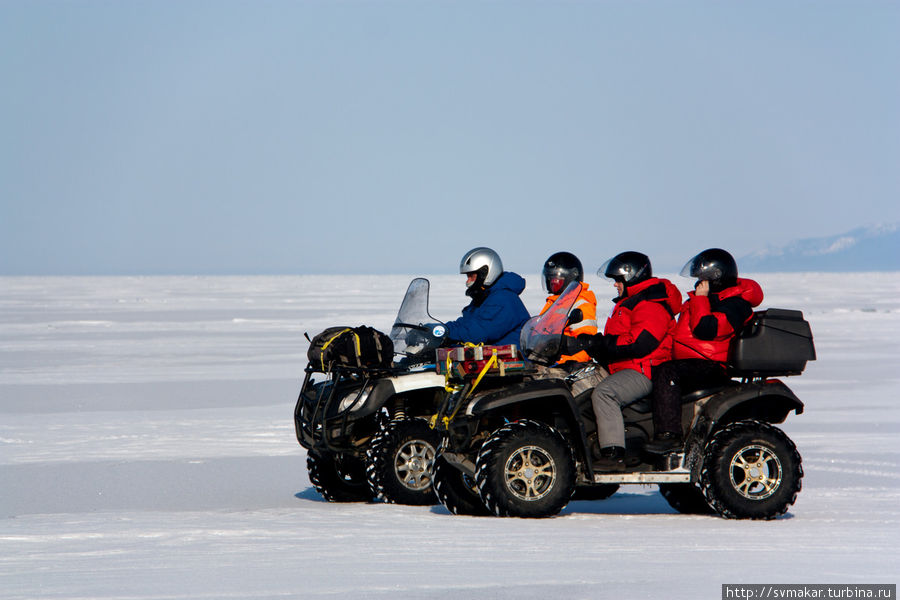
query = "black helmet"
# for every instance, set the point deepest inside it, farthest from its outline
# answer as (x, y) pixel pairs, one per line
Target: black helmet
(560, 270)
(627, 268)
(714, 265)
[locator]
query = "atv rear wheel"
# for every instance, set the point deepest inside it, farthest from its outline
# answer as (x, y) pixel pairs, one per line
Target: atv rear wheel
(456, 490)
(401, 460)
(686, 498)
(525, 469)
(338, 477)
(751, 470)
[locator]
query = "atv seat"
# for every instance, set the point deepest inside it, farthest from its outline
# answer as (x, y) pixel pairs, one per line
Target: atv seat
(702, 393)
(642, 405)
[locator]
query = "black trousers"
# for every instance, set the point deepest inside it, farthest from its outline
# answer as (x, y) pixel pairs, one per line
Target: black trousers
(674, 378)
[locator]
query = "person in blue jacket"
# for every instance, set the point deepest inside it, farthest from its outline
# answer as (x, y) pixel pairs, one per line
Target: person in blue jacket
(496, 313)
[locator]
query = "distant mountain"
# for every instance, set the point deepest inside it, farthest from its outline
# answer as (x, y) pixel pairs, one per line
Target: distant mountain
(873, 248)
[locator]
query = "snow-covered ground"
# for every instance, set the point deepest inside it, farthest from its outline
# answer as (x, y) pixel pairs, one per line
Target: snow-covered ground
(147, 452)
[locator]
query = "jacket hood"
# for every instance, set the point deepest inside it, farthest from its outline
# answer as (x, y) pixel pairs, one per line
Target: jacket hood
(673, 296)
(747, 289)
(509, 281)
(668, 293)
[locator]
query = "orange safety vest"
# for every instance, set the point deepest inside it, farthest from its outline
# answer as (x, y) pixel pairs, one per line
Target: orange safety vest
(587, 302)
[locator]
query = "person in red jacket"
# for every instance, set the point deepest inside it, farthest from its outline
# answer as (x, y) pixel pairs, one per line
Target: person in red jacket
(634, 340)
(561, 269)
(721, 304)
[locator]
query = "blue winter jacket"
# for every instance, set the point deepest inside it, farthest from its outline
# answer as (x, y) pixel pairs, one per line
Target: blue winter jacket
(498, 319)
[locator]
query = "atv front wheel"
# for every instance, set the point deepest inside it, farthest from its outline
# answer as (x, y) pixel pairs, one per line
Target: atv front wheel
(401, 460)
(337, 477)
(751, 470)
(686, 498)
(456, 490)
(525, 469)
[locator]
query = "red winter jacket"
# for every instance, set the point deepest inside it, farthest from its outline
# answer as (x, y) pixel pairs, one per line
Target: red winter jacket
(637, 333)
(707, 323)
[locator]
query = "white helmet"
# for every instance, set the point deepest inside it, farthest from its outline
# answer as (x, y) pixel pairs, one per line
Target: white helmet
(485, 262)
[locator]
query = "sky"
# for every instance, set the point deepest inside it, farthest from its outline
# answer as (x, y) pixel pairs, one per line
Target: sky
(238, 137)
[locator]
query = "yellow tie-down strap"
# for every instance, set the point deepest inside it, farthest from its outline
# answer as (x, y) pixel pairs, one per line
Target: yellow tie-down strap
(447, 385)
(487, 367)
(334, 337)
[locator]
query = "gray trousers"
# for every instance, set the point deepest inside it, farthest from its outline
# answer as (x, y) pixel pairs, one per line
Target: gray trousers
(608, 398)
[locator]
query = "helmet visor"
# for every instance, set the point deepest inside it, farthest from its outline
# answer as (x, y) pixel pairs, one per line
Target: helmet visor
(699, 268)
(616, 270)
(554, 284)
(688, 268)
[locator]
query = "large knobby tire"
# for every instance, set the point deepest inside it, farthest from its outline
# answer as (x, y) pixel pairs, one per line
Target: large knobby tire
(400, 461)
(337, 477)
(525, 469)
(751, 470)
(686, 498)
(456, 490)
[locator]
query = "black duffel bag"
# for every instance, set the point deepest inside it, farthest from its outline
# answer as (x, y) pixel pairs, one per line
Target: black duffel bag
(350, 347)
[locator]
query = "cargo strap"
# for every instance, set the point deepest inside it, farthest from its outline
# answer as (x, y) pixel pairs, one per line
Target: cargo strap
(336, 336)
(447, 385)
(446, 420)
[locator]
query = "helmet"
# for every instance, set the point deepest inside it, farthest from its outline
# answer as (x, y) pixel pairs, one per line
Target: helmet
(627, 267)
(714, 265)
(483, 261)
(560, 270)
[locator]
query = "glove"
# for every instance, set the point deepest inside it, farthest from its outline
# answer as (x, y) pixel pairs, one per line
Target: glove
(592, 344)
(434, 332)
(574, 345)
(596, 346)
(415, 337)
(576, 316)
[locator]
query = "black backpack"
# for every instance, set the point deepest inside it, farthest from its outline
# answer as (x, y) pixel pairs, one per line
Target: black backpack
(350, 347)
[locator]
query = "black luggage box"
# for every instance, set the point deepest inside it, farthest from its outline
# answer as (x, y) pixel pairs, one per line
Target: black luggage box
(775, 341)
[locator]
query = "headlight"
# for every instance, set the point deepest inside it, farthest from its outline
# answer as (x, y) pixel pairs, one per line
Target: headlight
(356, 399)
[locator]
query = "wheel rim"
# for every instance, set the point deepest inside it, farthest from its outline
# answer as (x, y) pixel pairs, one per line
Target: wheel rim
(413, 464)
(755, 472)
(530, 473)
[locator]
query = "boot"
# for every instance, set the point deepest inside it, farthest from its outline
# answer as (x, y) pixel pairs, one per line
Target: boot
(664, 442)
(612, 459)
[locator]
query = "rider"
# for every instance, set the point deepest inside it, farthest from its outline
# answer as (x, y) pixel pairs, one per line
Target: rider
(636, 337)
(495, 314)
(715, 311)
(561, 269)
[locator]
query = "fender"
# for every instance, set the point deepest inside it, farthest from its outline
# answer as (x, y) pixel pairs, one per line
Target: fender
(386, 388)
(549, 389)
(550, 394)
(769, 400)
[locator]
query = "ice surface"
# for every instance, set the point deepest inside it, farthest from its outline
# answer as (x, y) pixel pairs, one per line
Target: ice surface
(147, 452)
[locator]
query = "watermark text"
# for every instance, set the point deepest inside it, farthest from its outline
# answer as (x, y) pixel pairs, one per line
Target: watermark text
(850, 591)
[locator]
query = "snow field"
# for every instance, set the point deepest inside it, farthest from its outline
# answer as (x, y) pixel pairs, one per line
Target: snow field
(147, 452)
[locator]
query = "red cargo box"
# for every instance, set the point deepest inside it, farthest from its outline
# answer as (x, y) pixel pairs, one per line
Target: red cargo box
(470, 361)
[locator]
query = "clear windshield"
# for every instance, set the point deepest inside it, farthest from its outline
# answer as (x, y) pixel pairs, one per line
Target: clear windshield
(412, 331)
(541, 337)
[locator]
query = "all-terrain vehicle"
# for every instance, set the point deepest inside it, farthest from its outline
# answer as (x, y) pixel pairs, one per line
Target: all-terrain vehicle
(365, 427)
(521, 450)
